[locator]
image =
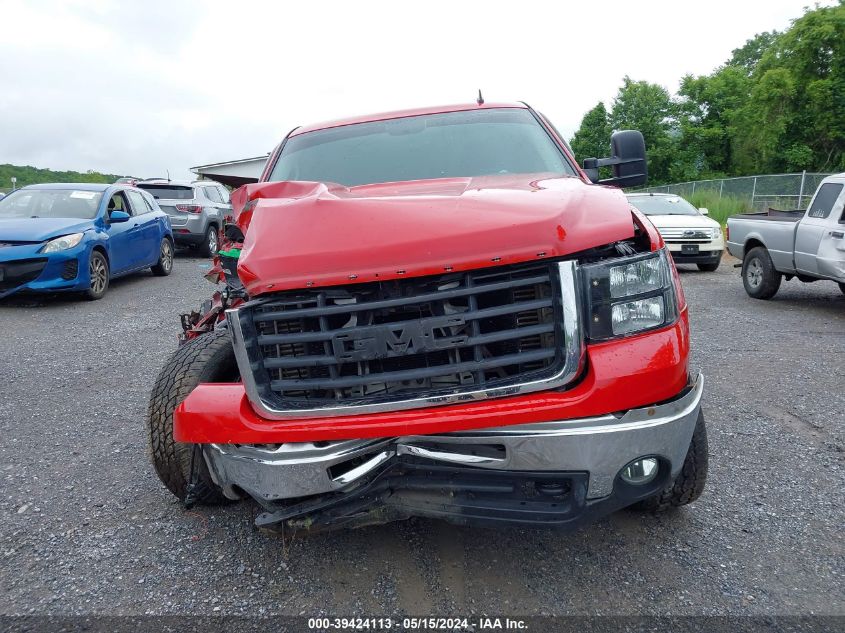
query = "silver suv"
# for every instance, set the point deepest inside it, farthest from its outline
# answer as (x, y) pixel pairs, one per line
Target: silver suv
(196, 208)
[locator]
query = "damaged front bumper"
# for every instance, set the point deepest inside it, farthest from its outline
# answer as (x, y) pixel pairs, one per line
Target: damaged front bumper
(555, 473)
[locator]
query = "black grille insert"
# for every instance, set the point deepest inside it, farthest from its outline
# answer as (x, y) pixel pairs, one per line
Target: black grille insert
(20, 272)
(401, 339)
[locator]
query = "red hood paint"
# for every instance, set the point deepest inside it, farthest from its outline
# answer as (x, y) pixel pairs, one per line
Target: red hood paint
(316, 234)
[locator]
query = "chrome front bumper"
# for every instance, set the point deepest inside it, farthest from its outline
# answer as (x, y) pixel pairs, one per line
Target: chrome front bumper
(600, 446)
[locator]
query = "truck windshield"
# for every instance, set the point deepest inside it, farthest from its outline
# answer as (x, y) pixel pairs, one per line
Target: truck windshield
(450, 145)
(663, 205)
(50, 203)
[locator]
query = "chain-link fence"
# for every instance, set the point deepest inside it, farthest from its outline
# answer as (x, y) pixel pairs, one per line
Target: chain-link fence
(779, 191)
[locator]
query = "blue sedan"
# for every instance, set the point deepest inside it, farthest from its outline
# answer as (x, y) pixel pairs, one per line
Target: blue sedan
(77, 237)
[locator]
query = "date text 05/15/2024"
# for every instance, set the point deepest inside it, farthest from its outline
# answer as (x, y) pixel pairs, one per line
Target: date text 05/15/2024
(417, 624)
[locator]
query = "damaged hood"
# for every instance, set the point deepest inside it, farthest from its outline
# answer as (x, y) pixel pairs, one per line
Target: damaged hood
(40, 229)
(306, 234)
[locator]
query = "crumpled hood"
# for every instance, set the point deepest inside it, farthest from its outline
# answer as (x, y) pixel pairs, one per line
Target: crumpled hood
(40, 229)
(304, 234)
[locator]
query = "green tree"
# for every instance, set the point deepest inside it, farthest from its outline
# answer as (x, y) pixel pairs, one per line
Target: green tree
(707, 115)
(29, 175)
(747, 56)
(647, 107)
(763, 122)
(592, 139)
(796, 109)
(778, 104)
(813, 52)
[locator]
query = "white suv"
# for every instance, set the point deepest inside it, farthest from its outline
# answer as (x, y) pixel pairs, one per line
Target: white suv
(690, 235)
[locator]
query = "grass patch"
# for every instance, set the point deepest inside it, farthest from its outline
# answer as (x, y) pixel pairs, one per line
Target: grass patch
(720, 208)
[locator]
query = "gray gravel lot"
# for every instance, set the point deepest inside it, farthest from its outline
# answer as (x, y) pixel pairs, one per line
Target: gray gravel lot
(87, 527)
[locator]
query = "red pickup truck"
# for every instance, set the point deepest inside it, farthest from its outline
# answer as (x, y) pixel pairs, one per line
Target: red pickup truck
(436, 313)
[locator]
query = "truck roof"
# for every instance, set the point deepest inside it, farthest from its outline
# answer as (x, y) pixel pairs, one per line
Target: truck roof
(398, 114)
(834, 178)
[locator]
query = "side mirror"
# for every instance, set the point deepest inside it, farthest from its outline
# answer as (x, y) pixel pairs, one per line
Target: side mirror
(703, 211)
(628, 160)
(118, 216)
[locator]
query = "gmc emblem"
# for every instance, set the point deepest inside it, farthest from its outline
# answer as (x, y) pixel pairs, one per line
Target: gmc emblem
(396, 339)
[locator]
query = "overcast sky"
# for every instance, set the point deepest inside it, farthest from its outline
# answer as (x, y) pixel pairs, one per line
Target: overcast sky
(140, 87)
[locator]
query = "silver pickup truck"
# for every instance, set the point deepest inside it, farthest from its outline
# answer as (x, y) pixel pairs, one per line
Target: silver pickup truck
(809, 246)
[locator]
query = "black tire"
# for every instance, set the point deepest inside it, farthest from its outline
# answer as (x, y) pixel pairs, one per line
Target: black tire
(164, 266)
(99, 275)
(759, 276)
(710, 266)
(842, 288)
(689, 484)
(207, 358)
(209, 246)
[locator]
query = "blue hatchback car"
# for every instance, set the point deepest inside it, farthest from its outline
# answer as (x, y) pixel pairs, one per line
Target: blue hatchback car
(77, 237)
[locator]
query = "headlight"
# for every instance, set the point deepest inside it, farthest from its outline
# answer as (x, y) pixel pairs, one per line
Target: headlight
(717, 232)
(633, 316)
(629, 295)
(636, 278)
(62, 243)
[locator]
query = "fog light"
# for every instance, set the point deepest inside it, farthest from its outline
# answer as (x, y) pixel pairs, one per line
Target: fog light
(640, 471)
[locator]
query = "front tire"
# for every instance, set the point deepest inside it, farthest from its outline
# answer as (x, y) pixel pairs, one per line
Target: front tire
(98, 276)
(842, 288)
(689, 484)
(207, 358)
(759, 276)
(164, 266)
(209, 246)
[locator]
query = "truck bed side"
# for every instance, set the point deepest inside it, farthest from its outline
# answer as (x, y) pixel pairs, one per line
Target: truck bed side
(774, 230)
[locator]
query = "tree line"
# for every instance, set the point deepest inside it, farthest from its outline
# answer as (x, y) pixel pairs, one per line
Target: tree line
(777, 105)
(28, 175)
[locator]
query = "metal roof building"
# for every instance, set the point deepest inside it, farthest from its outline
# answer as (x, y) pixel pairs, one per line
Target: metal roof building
(233, 173)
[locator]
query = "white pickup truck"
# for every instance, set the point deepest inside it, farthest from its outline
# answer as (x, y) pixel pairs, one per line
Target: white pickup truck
(808, 245)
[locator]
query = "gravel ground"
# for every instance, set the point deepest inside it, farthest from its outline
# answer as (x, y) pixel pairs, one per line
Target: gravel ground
(87, 527)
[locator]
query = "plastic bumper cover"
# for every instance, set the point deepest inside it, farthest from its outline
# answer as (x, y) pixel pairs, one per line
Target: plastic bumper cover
(706, 253)
(702, 257)
(189, 228)
(25, 268)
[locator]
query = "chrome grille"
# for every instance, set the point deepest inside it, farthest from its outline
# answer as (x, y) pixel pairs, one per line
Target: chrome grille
(680, 234)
